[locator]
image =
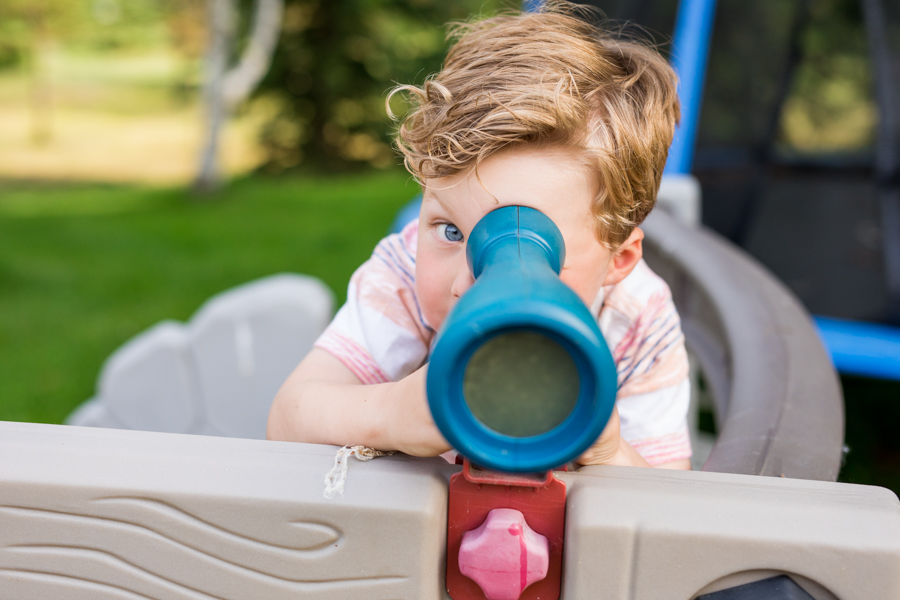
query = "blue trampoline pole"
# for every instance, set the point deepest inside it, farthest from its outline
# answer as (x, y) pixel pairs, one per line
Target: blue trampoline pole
(690, 53)
(860, 348)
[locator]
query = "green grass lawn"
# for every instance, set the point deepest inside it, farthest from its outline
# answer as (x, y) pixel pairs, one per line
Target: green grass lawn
(872, 423)
(83, 268)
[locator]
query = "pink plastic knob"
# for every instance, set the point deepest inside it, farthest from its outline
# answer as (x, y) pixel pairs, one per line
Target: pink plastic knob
(504, 556)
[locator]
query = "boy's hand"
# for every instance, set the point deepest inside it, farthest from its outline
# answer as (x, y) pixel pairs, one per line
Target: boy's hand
(611, 449)
(408, 423)
(323, 402)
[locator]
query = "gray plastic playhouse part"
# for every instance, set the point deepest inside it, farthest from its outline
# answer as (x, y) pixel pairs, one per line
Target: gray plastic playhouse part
(97, 514)
(680, 196)
(781, 587)
(216, 374)
(779, 408)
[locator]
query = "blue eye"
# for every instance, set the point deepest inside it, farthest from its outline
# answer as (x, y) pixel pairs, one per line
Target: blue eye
(450, 232)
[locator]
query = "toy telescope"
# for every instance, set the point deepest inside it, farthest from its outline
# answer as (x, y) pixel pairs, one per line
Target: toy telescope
(521, 379)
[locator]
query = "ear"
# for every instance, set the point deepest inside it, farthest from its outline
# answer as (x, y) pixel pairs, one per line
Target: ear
(625, 258)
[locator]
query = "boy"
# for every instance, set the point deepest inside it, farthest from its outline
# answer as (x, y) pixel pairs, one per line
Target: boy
(541, 110)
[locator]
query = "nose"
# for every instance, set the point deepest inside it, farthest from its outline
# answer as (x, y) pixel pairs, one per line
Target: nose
(463, 280)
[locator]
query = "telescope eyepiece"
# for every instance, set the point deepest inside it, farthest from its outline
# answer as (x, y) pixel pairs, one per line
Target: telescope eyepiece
(515, 224)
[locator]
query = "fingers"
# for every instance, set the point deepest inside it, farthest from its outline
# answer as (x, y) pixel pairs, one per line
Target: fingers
(603, 451)
(414, 429)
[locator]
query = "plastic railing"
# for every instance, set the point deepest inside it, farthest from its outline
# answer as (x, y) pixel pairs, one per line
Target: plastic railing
(778, 402)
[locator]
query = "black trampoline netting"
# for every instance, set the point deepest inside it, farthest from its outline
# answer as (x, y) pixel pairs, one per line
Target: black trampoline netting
(795, 116)
(882, 19)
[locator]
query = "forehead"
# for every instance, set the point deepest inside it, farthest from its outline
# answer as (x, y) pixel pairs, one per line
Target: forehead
(556, 181)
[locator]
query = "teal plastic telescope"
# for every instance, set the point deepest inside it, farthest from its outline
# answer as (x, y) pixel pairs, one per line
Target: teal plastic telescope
(520, 379)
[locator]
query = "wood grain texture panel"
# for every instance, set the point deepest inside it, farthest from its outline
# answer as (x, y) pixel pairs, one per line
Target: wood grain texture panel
(92, 513)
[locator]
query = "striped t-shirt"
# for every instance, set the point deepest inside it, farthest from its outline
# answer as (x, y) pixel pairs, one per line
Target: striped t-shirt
(381, 335)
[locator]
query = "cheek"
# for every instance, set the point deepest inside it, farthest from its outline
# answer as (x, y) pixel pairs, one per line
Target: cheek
(586, 284)
(585, 275)
(433, 283)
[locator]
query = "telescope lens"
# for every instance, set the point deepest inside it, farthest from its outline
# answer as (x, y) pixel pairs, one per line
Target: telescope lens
(521, 384)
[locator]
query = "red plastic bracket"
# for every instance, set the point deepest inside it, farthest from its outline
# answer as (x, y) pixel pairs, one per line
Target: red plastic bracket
(475, 492)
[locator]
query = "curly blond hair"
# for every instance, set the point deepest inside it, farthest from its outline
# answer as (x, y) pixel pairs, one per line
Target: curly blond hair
(549, 79)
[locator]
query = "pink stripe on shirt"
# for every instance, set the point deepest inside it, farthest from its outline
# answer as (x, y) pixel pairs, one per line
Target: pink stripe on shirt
(665, 448)
(355, 357)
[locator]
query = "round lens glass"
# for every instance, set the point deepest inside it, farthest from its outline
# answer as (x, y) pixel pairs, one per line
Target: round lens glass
(521, 384)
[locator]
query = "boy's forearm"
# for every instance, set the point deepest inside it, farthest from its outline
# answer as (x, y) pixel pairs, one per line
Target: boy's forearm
(321, 412)
(627, 456)
(386, 416)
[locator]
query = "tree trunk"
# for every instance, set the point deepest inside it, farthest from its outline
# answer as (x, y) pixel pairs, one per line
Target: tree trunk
(221, 28)
(40, 90)
(254, 64)
(225, 89)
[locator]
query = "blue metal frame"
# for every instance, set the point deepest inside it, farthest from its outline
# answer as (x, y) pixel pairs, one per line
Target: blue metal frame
(407, 214)
(690, 53)
(864, 349)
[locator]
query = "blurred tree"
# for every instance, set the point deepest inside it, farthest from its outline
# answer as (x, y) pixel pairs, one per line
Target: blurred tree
(227, 87)
(118, 25)
(12, 35)
(333, 66)
(31, 31)
(28, 31)
(187, 27)
(831, 106)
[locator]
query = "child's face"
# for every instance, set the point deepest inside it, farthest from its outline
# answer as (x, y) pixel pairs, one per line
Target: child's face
(551, 180)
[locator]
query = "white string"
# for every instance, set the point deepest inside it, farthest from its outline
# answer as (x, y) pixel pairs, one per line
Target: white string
(337, 476)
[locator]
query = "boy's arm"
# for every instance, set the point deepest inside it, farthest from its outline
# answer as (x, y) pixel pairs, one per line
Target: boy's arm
(676, 465)
(324, 402)
(612, 449)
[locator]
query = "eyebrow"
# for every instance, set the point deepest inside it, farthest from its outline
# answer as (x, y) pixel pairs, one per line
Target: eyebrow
(431, 194)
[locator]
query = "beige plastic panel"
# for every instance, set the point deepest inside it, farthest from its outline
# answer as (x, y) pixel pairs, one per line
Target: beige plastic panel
(639, 535)
(102, 514)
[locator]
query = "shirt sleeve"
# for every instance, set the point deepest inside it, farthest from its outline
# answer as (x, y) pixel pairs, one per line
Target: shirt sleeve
(644, 331)
(666, 438)
(380, 333)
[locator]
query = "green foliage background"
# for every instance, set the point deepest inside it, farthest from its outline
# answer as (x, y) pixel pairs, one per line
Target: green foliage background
(333, 67)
